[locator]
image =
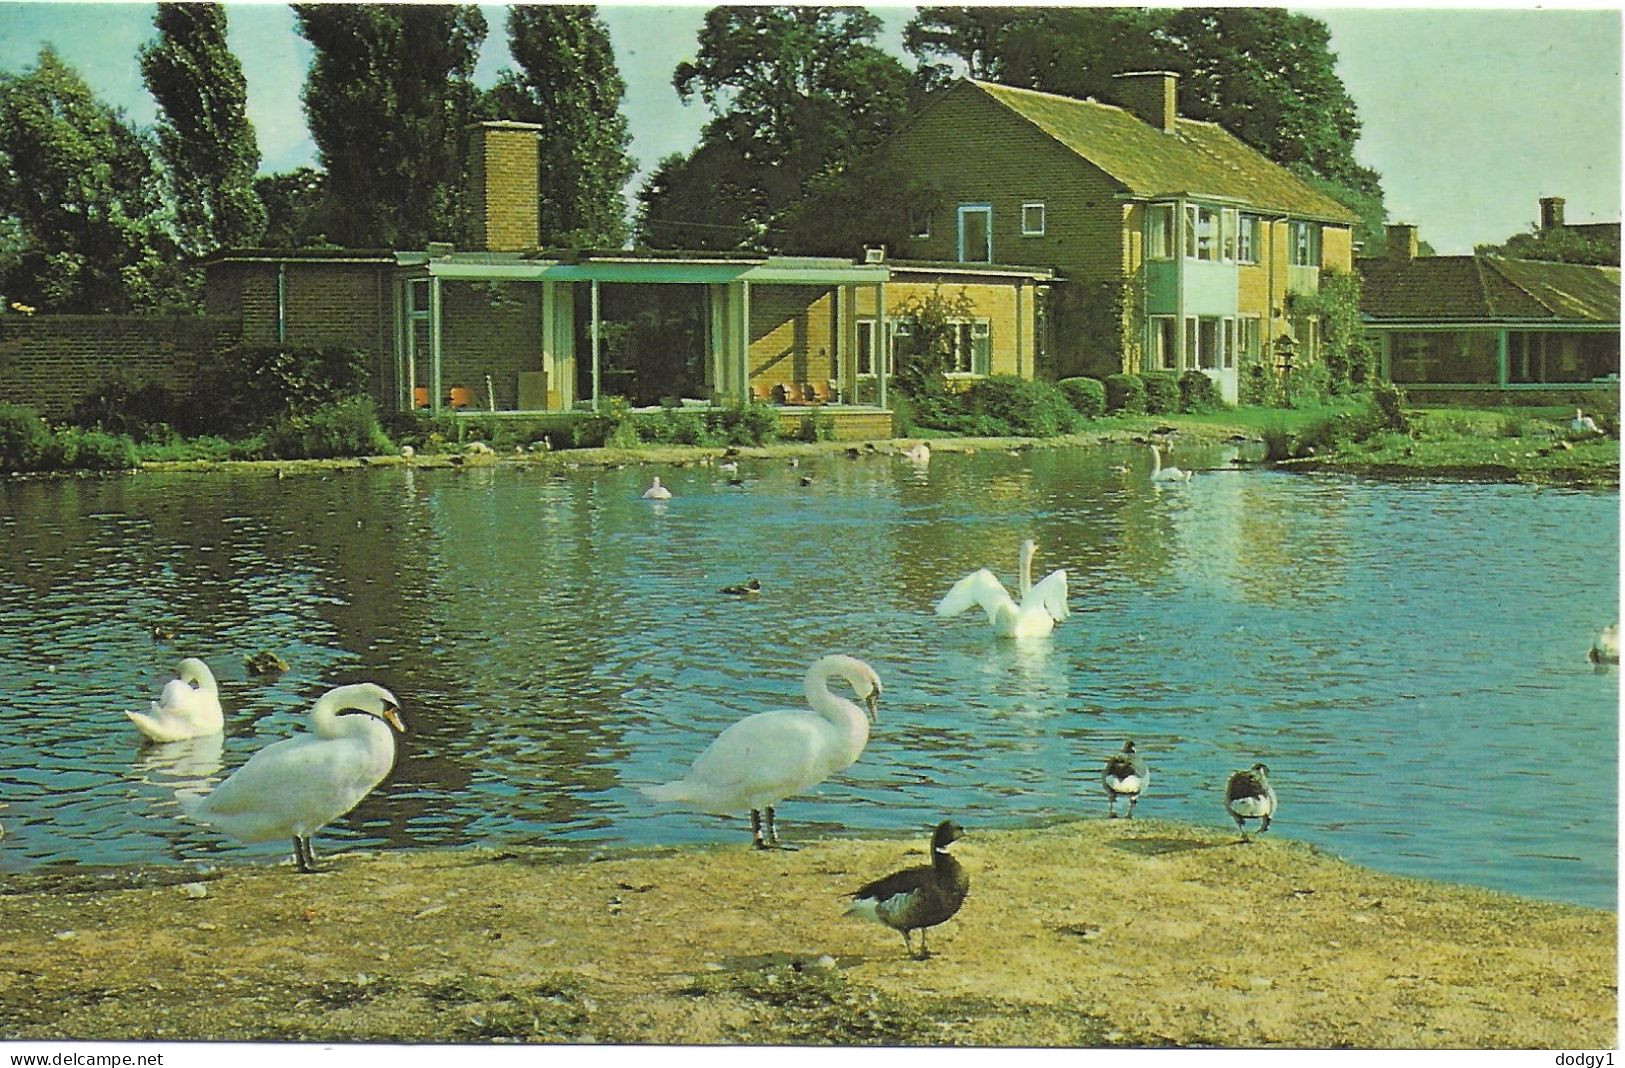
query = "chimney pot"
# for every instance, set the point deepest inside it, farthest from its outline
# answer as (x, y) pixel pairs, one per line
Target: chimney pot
(1551, 213)
(1151, 96)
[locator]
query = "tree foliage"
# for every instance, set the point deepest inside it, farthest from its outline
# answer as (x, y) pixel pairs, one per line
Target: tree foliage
(389, 99)
(204, 136)
(1559, 244)
(82, 199)
(567, 83)
(295, 207)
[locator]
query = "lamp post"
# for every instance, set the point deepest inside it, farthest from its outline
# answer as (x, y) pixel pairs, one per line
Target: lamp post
(1285, 349)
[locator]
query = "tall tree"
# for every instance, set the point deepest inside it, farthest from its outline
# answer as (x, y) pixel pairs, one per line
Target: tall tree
(389, 99)
(83, 198)
(204, 136)
(568, 84)
(797, 92)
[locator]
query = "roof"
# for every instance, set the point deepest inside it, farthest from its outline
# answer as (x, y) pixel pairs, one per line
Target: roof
(1196, 158)
(301, 255)
(1487, 288)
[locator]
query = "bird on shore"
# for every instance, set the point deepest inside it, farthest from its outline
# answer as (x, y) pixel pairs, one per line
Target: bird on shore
(1160, 473)
(1032, 613)
(918, 453)
(916, 899)
(1125, 776)
(188, 707)
(657, 492)
(763, 759)
(1583, 423)
(1249, 796)
(744, 589)
(729, 467)
(295, 787)
(1605, 647)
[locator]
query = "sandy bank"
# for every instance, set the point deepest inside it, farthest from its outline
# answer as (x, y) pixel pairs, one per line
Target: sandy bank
(1090, 933)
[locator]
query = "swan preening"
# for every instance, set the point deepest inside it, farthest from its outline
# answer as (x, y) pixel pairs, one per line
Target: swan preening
(1036, 612)
(1583, 423)
(1160, 473)
(917, 898)
(1605, 647)
(765, 758)
(1249, 796)
(183, 710)
(657, 492)
(293, 788)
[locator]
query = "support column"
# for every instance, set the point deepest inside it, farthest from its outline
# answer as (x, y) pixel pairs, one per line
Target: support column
(1501, 358)
(1021, 320)
(405, 373)
(882, 350)
(434, 346)
(744, 344)
(596, 369)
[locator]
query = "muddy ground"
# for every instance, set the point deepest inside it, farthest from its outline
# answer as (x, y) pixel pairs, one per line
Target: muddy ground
(1096, 933)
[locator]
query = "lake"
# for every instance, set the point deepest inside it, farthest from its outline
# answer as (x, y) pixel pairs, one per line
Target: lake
(1408, 658)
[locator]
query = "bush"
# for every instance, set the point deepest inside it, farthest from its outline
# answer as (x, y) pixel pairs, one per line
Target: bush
(754, 424)
(74, 449)
(24, 438)
(1087, 395)
(675, 426)
(1198, 393)
(145, 412)
(253, 386)
(817, 426)
(1125, 393)
(345, 428)
(1161, 392)
(1308, 387)
(1388, 402)
(1028, 407)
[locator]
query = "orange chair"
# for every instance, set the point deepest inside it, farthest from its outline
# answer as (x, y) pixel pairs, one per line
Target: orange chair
(420, 396)
(818, 392)
(759, 394)
(461, 396)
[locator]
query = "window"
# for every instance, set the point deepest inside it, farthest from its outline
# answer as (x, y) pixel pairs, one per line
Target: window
(1201, 232)
(1159, 232)
(972, 347)
(1032, 220)
(1227, 235)
(1247, 239)
(919, 222)
(1204, 345)
(417, 297)
(1250, 336)
(1164, 343)
(1229, 360)
(899, 333)
(1305, 244)
(975, 233)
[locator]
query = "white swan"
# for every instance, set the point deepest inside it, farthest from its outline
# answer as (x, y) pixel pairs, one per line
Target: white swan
(657, 492)
(919, 453)
(183, 711)
(1040, 607)
(1605, 648)
(1583, 423)
(765, 758)
(294, 787)
(1160, 473)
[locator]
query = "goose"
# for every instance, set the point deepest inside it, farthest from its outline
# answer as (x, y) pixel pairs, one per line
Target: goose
(294, 787)
(1249, 796)
(189, 706)
(1040, 607)
(744, 589)
(765, 758)
(1583, 423)
(915, 899)
(1160, 473)
(729, 466)
(1125, 776)
(407, 452)
(657, 492)
(1605, 648)
(918, 453)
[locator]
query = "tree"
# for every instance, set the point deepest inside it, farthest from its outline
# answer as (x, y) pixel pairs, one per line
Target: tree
(797, 92)
(568, 84)
(204, 136)
(1559, 244)
(82, 194)
(389, 99)
(295, 204)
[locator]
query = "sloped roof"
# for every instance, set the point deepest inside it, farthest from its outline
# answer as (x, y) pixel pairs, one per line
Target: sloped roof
(1198, 158)
(1486, 288)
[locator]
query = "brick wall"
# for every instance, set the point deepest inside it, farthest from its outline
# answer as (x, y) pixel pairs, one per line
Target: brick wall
(50, 362)
(490, 329)
(503, 181)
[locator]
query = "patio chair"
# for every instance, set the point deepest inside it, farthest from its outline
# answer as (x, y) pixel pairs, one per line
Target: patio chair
(819, 392)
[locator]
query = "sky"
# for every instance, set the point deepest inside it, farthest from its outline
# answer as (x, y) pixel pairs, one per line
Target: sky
(1470, 114)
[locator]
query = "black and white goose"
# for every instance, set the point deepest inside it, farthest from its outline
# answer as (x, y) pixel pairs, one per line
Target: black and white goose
(1126, 776)
(1249, 796)
(917, 898)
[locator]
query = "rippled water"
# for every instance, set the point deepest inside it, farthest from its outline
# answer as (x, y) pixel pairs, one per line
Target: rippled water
(1408, 658)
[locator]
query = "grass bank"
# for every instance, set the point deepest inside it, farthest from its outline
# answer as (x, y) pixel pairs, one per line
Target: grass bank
(1092, 933)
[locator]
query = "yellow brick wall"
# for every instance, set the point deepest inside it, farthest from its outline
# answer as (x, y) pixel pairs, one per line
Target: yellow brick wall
(503, 181)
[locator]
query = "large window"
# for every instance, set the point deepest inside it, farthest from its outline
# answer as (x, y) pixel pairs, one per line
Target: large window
(1305, 244)
(1247, 239)
(1164, 343)
(972, 347)
(1250, 336)
(1201, 232)
(1204, 342)
(1159, 232)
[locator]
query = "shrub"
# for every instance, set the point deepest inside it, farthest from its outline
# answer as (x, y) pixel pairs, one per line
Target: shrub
(252, 386)
(754, 424)
(675, 426)
(817, 426)
(76, 449)
(1198, 393)
(1087, 395)
(24, 438)
(1307, 387)
(344, 428)
(1125, 393)
(1161, 392)
(144, 412)
(1026, 406)
(1388, 401)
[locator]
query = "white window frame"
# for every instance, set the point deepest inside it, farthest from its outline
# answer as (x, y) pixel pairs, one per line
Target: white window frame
(1227, 235)
(1202, 233)
(1247, 238)
(1227, 359)
(1304, 247)
(1168, 248)
(1165, 342)
(895, 328)
(1195, 350)
(1028, 230)
(1250, 336)
(962, 361)
(984, 210)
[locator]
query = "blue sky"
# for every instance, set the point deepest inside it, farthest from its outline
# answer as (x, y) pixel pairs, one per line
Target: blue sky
(1470, 114)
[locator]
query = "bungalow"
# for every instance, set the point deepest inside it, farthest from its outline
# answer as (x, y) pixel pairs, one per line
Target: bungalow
(1491, 329)
(506, 327)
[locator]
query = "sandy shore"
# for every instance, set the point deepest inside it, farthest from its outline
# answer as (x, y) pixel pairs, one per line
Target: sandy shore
(1093, 933)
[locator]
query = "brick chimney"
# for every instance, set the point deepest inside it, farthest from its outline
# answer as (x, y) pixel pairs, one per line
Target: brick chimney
(503, 213)
(1551, 213)
(1150, 96)
(1402, 243)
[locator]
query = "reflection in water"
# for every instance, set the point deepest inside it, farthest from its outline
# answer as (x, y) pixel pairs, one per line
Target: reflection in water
(556, 641)
(192, 765)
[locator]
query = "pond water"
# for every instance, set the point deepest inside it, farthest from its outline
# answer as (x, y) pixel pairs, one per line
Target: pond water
(1409, 658)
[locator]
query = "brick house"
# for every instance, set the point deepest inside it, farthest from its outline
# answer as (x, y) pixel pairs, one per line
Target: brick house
(1178, 244)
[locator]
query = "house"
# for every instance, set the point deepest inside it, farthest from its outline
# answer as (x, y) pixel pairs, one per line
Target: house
(1488, 329)
(1178, 243)
(498, 325)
